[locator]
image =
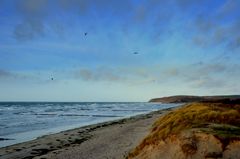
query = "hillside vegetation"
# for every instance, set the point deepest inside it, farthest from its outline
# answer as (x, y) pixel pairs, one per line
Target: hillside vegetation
(188, 99)
(221, 120)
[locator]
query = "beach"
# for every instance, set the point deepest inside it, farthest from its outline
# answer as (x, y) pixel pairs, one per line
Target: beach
(113, 139)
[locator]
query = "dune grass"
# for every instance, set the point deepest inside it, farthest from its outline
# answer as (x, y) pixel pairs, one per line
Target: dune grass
(220, 119)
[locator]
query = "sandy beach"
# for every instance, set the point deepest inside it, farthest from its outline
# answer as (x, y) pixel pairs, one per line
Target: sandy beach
(112, 139)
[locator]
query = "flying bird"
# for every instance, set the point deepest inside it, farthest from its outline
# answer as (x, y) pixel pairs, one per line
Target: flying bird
(85, 34)
(52, 79)
(135, 53)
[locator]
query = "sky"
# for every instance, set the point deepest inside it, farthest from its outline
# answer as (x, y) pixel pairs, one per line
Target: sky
(133, 50)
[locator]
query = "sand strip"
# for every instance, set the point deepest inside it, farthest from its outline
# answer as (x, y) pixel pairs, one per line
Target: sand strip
(112, 140)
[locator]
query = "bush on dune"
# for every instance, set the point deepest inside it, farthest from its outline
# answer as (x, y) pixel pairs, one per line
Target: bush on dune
(195, 115)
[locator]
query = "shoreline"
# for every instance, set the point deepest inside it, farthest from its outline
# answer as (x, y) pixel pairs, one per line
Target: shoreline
(54, 118)
(61, 143)
(35, 134)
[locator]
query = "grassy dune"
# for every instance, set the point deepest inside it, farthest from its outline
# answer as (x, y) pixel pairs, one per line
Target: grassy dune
(220, 119)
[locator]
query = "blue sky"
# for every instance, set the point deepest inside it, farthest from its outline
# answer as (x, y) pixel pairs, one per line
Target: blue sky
(184, 47)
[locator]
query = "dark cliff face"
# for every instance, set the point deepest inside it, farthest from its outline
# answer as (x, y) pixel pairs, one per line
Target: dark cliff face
(189, 99)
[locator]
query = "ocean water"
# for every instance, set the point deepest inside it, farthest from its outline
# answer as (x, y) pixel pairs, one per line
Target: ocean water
(24, 121)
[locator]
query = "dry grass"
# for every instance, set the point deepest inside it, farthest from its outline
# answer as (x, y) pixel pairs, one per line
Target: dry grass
(195, 115)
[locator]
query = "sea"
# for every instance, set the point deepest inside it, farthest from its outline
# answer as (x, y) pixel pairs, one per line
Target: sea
(24, 121)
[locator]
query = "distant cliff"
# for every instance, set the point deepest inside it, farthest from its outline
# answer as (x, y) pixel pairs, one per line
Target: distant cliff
(188, 99)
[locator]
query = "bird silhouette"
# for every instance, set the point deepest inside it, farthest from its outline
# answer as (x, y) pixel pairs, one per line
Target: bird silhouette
(135, 53)
(85, 34)
(52, 79)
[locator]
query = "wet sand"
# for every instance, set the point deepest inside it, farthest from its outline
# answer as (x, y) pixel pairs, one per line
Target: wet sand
(108, 140)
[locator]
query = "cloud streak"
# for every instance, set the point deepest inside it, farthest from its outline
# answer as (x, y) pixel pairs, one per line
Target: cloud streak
(219, 28)
(6, 74)
(100, 74)
(114, 75)
(198, 75)
(29, 29)
(21, 76)
(33, 14)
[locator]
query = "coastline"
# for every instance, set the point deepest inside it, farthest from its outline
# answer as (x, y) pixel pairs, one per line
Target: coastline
(24, 122)
(121, 136)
